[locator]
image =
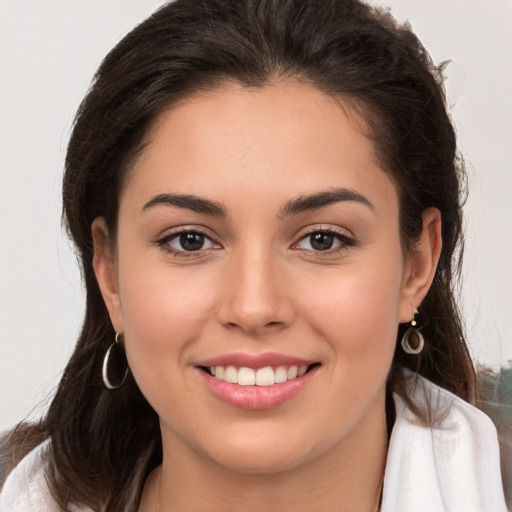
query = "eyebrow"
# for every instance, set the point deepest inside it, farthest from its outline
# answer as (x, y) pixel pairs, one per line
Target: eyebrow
(292, 207)
(190, 202)
(321, 200)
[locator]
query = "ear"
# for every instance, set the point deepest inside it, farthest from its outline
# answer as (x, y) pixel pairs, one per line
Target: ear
(105, 270)
(421, 265)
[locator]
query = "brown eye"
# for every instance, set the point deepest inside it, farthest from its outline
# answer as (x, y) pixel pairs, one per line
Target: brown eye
(321, 241)
(185, 242)
(324, 241)
(191, 241)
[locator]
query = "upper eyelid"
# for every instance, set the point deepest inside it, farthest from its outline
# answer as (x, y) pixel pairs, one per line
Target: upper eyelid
(179, 230)
(325, 228)
(346, 239)
(164, 242)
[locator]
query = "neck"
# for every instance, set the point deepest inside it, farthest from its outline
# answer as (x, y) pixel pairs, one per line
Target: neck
(348, 477)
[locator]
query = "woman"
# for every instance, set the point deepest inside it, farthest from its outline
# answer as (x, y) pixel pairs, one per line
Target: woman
(266, 200)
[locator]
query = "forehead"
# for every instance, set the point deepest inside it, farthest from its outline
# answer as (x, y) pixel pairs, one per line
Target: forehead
(281, 138)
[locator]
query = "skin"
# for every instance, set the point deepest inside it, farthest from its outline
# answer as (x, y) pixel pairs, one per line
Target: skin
(260, 286)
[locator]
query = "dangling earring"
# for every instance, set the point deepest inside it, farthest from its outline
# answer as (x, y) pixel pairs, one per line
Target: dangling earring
(413, 332)
(115, 363)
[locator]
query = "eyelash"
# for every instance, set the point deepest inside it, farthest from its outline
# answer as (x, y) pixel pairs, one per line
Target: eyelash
(345, 240)
(164, 242)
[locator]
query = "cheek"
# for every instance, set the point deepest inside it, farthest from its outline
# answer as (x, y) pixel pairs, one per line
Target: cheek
(356, 311)
(154, 308)
(163, 314)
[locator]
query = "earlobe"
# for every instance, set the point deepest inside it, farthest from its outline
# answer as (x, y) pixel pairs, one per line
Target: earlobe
(104, 268)
(422, 264)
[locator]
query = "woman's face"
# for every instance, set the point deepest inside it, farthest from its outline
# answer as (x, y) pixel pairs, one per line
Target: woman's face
(258, 238)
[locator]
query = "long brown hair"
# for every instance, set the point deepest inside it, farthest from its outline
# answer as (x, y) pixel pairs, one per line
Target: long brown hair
(103, 442)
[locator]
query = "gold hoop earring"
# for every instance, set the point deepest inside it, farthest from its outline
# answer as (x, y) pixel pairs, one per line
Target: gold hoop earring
(115, 364)
(411, 333)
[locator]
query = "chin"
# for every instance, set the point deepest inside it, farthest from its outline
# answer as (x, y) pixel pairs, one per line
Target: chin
(249, 463)
(259, 455)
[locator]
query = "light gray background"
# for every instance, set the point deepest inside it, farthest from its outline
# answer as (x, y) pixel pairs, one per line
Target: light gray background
(49, 50)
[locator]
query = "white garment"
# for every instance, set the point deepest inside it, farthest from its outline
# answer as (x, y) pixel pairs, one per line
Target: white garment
(26, 490)
(450, 467)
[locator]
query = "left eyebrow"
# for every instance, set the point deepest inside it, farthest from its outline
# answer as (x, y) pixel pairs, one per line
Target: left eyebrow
(189, 202)
(321, 200)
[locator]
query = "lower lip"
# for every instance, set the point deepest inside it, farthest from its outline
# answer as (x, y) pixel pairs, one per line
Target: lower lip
(257, 397)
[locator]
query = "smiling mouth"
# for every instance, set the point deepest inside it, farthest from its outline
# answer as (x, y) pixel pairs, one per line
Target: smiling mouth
(266, 376)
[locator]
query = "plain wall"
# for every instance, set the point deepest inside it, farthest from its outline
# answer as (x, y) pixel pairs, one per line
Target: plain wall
(49, 51)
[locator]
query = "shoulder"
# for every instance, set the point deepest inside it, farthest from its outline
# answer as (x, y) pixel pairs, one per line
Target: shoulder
(450, 465)
(26, 489)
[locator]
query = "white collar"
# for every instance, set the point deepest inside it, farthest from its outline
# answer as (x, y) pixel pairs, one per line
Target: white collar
(452, 466)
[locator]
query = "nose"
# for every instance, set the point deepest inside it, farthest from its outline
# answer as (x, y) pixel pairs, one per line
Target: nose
(256, 298)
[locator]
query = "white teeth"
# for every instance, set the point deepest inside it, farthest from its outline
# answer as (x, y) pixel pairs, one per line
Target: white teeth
(231, 375)
(281, 375)
(292, 372)
(266, 376)
(246, 377)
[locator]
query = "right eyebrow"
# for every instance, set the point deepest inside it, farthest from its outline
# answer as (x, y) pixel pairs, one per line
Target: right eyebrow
(321, 200)
(190, 202)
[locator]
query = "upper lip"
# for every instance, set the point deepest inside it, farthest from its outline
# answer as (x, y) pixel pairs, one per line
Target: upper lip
(255, 361)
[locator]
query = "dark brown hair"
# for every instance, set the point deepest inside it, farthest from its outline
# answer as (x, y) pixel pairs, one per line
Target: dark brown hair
(103, 442)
